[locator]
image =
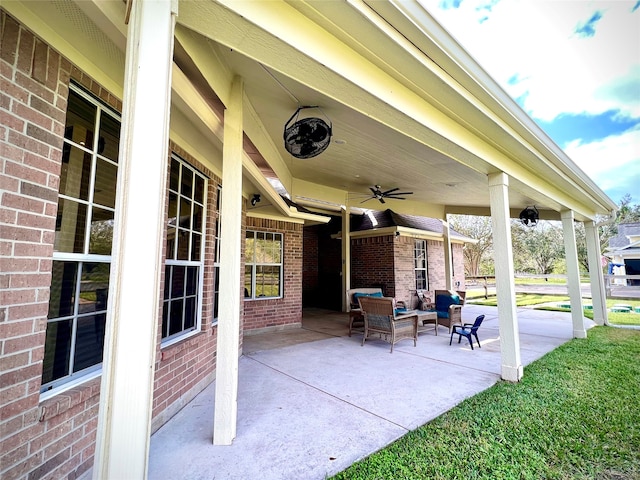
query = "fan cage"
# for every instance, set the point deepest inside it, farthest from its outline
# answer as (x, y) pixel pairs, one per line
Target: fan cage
(306, 137)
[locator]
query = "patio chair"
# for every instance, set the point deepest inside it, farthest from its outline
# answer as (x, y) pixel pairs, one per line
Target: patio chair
(448, 305)
(380, 317)
(355, 314)
(467, 330)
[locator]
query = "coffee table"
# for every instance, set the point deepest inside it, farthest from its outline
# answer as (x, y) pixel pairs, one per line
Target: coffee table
(425, 317)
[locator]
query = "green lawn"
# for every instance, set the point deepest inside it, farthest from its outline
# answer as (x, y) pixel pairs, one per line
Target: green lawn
(529, 299)
(574, 415)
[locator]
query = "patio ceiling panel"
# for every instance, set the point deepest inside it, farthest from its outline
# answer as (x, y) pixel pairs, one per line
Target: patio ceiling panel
(395, 119)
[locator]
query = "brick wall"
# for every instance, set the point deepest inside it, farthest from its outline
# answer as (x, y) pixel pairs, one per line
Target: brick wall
(184, 368)
(278, 312)
(54, 438)
(372, 263)
(404, 272)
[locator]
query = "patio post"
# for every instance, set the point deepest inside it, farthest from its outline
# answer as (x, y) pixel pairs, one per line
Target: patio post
(505, 288)
(598, 292)
(226, 396)
(126, 396)
(448, 268)
(346, 256)
(573, 273)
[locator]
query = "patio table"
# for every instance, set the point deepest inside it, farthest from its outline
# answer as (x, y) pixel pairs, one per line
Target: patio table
(424, 316)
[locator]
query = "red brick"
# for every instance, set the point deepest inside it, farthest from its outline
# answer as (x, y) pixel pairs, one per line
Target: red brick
(9, 265)
(30, 280)
(9, 184)
(11, 121)
(17, 407)
(33, 250)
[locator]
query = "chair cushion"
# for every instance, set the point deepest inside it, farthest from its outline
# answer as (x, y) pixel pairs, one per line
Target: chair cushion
(398, 311)
(444, 301)
(361, 294)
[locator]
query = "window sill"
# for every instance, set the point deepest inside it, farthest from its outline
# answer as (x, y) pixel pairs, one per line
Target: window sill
(58, 401)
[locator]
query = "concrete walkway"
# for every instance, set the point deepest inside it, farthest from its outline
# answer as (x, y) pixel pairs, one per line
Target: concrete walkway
(310, 410)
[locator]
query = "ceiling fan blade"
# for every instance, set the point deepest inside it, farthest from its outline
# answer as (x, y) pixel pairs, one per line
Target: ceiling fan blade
(381, 200)
(389, 191)
(399, 193)
(370, 198)
(375, 192)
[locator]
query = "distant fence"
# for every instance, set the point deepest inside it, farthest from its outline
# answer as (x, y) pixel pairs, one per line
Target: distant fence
(615, 285)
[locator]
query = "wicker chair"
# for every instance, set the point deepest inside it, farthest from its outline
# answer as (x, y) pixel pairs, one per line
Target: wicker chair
(448, 305)
(379, 317)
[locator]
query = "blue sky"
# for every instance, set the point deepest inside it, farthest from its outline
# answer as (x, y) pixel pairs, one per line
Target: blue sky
(573, 66)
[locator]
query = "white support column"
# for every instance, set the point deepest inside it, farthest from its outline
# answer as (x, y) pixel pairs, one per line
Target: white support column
(346, 256)
(226, 397)
(598, 293)
(505, 287)
(124, 418)
(573, 274)
(448, 257)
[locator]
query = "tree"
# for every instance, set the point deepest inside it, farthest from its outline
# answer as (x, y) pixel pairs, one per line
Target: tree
(475, 254)
(543, 245)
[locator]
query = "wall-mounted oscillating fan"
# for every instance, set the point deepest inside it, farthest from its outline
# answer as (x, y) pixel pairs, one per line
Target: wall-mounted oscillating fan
(529, 216)
(307, 137)
(380, 195)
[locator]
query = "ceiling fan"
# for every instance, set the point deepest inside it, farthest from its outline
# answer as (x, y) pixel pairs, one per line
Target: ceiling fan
(380, 195)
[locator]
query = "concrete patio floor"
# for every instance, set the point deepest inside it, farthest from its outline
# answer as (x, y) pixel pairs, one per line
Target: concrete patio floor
(312, 401)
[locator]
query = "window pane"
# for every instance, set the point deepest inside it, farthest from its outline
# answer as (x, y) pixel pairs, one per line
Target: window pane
(249, 248)
(89, 341)
(267, 281)
(174, 178)
(70, 226)
(175, 322)
(105, 185)
(95, 278)
(171, 243)
(167, 281)
(198, 193)
(196, 242)
(57, 350)
(63, 287)
(172, 212)
(186, 185)
(192, 281)
(185, 213)
(183, 245)
(101, 234)
(197, 217)
(276, 250)
(177, 282)
(108, 142)
(80, 123)
(189, 313)
(247, 281)
(75, 172)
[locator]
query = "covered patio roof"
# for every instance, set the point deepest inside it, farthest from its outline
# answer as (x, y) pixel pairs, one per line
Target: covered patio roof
(409, 107)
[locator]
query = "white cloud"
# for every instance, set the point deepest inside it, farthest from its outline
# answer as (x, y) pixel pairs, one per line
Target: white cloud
(559, 71)
(613, 162)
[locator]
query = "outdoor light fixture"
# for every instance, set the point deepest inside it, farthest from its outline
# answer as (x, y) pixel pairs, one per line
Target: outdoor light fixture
(255, 199)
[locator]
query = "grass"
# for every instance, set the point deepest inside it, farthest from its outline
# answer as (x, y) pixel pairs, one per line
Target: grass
(574, 415)
(529, 299)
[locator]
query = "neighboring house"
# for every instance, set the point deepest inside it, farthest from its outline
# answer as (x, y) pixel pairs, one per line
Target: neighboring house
(624, 252)
(136, 139)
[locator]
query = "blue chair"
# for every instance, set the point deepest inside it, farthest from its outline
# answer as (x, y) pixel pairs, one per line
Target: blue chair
(467, 330)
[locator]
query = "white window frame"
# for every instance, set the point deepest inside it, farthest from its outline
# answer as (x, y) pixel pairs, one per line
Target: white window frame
(250, 262)
(420, 247)
(167, 340)
(66, 382)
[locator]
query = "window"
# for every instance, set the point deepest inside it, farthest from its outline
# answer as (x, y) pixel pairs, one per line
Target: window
(263, 265)
(82, 244)
(216, 259)
(420, 264)
(185, 251)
